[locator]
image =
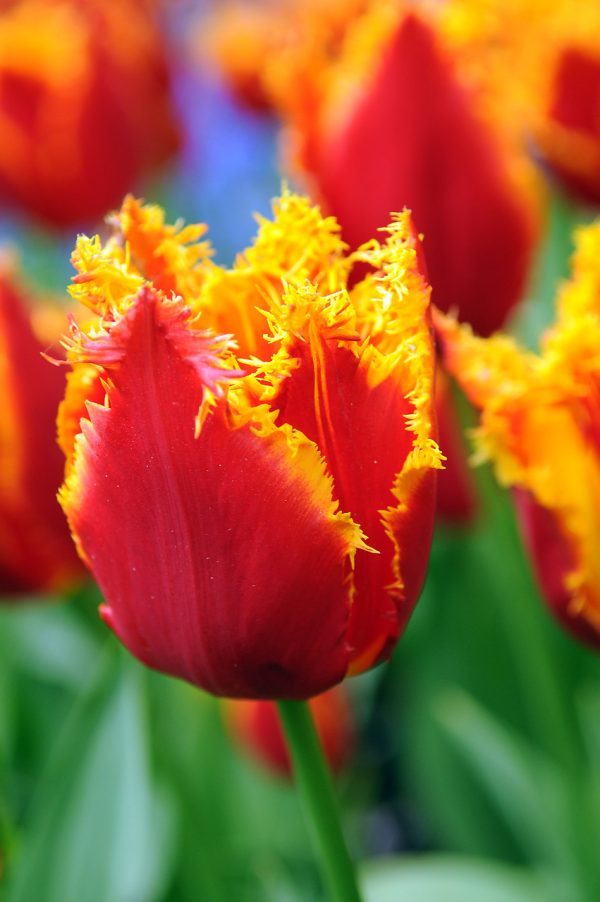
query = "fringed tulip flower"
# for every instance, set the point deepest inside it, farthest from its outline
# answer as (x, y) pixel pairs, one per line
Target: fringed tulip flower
(378, 117)
(540, 426)
(84, 105)
(259, 521)
(256, 728)
(36, 552)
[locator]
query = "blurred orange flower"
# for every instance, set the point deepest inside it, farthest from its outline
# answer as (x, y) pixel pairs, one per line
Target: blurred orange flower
(259, 523)
(540, 426)
(84, 105)
(36, 552)
(256, 727)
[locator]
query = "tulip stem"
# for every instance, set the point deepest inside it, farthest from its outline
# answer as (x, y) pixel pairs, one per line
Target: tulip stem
(318, 799)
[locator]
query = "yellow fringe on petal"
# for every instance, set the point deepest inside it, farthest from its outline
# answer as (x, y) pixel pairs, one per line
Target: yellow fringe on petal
(299, 244)
(106, 278)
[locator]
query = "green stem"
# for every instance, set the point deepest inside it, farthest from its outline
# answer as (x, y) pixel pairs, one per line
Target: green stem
(318, 798)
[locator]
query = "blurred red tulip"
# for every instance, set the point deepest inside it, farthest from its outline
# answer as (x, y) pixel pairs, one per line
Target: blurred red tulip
(379, 119)
(206, 493)
(36, 551)
(413, 138)
(84, 105)
(256, 727)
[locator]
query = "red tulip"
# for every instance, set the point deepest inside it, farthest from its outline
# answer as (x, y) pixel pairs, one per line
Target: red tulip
(84, 105)
(414, 138)
(259, 527)
(256, 727)
(36, 552)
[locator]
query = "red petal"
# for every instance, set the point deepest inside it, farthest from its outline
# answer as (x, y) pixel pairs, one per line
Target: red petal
(36, 551)
(574, 116)
(553, 560)
(215, 555)
(361, 431)
(413, 141)
(456, 500)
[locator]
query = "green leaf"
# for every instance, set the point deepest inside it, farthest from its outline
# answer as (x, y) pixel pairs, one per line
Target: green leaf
(524, 786)
(243, 836)
(50, 643)
(441, 878)
(99, 827)
(588, 808)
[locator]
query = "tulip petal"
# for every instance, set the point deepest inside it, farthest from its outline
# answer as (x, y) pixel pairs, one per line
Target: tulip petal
(362, 434)
(222, 558)
(368, 407)
(456, 497)
(554, 560)
(84, 383)
(172, 257)
(299, 245)
(569, 135)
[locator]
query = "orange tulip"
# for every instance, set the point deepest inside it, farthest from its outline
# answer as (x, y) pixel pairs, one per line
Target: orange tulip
(259, 525)
(84, 105)
(540, 426)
